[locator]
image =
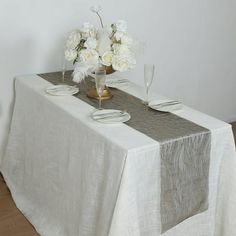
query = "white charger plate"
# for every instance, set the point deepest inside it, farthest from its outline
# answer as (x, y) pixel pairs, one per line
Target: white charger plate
(62, 90)
(156, 105)
(110, 116)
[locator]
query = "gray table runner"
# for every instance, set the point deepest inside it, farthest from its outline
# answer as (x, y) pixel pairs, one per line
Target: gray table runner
(184, 151)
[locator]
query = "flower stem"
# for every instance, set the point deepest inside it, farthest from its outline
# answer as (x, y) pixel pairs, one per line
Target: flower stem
(100, 18)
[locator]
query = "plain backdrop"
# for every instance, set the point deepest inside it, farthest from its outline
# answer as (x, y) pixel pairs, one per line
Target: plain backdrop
(191, 42)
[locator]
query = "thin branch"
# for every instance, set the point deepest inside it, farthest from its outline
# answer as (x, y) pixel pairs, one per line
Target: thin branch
(100, 18)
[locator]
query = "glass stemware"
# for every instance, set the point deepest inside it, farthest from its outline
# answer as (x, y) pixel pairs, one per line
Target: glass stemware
(63, 69)
(100, 81)
(148, 78)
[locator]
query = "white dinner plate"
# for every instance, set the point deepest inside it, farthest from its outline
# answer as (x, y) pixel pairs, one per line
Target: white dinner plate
(110, 116)
(62, 90)
(165, 105)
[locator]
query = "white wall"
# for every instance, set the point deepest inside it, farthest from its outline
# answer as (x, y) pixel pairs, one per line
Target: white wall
(192, 43)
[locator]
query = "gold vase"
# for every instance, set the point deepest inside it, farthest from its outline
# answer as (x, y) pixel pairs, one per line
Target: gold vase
(92, 93)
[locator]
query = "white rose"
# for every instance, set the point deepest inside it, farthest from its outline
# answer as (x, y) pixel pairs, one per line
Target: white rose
(116, 47)
(70, 54)
(107, 58)
(88, 56)
(120, 49)
(123, 63)
(121, 26)
(126, 40)
(91, 43)
(73, 39)
(88, 30)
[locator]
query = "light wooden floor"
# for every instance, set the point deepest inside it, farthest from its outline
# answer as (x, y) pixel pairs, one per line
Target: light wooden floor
(12, 222)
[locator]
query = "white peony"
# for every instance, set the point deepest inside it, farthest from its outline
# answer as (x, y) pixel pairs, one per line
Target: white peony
(73, 39)
(107, 58)
(88, 30)
(88, 56)
(120, 49)
(70, 54)
(123, 63)
(91, 43)
(116, 47)
(127, 40)
(121, 26)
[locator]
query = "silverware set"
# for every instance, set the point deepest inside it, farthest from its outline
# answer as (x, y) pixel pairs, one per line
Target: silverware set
(117, 82)
(56, 89)
(165, 104)
(110, 115)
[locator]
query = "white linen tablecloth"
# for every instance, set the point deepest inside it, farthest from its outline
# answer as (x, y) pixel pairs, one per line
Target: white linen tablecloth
(71, 176)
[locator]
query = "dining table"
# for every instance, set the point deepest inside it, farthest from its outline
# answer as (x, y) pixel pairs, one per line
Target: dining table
(160, 173)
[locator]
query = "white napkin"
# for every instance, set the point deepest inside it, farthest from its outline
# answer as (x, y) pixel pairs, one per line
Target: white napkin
(110, 116)
(165, 105)
(117, 82)
(62, 90)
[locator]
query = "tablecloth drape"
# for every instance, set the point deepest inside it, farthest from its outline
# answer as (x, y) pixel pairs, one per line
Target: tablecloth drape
(72, 176)
(184, 151)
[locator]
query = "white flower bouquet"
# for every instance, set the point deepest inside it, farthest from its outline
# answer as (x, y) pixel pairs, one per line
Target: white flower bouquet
(111, 46)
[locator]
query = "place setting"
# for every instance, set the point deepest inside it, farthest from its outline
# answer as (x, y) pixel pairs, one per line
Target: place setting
(62, 90)
(61, 86)
(106, 116)
(161, 105)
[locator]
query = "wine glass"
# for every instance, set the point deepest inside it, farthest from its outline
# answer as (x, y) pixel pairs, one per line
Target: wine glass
(63, 69)
(100, 81)
(148, 78)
